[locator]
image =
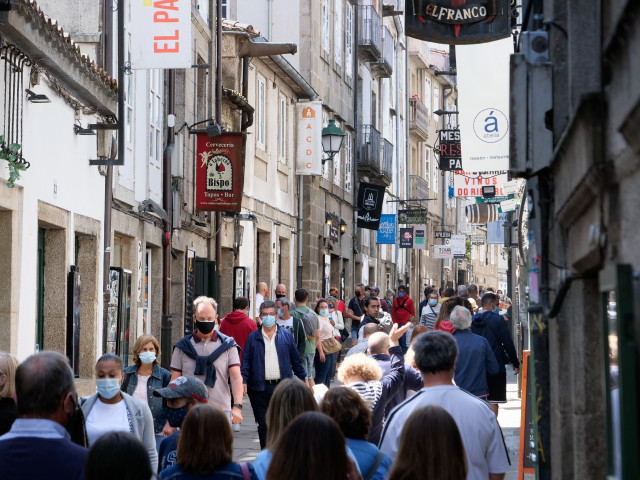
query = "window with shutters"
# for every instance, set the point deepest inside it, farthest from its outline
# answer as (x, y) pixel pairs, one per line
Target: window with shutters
(282, 129)
(348, 43)
(261, 114)
(337, 35)
(326, 29)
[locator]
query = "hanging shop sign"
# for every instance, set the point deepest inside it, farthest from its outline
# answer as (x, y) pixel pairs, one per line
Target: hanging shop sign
(469, 184)
(370, 199)
(219, 173)
(459, 245)
(470, 21)
(483, 102)
(406, 238)
(442, 234)
(477, 239)
(449, 150)
(442, 251)
(387, 229)
(419, 237)
(309, 136)
(509, 205)
(412, 217)
(160, 36)
(495, 230)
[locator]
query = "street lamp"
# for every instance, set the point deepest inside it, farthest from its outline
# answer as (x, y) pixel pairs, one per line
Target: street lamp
(332, 137)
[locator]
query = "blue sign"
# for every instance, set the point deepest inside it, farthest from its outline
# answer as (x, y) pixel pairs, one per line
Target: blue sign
(387, 229)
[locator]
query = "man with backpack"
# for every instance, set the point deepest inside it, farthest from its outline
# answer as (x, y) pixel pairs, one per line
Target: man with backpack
(403, 312)
(311, 326)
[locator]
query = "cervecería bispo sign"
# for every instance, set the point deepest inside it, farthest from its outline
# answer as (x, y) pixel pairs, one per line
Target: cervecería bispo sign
(458, 22)
(219, 172)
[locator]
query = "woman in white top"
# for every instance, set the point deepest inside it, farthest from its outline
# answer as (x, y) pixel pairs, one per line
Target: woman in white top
(111, 410)
(324, 362)
(338, 325)
(146, 375)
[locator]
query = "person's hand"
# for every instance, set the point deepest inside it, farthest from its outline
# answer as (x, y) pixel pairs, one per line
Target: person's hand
(396, 333)
(168, 430)
(322, 357)
(244, 388)
(352, 471)
(236, 415)
(516, 370)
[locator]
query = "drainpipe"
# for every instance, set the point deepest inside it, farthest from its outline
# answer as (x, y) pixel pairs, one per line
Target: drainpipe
(396, 186)
(407, 254)
(356, 21)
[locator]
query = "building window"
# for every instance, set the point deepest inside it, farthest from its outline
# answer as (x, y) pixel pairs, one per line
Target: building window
(225, 8)
(155, 115)
(348, 43)
(325, 165)
(337, 36)
(435, 175)
(427, 163)
(427, 94)
(261, 108)
(436, 98)
(347, 163)
(282, 129)
(326, 30)
(337, 165)
(203, 9)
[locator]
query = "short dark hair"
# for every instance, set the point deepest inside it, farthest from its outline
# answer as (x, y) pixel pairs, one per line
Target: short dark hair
(301, 295)
(368, 300)
(196, 453)
(118, 455)
(110, 356)
(347, 408)
(427, 291)
(240, 303)
(402, 287)
(42, 380)
(361, 285)
(267, 304)
(449, 292)
(472, 288)
(489, 297)
(435, 352)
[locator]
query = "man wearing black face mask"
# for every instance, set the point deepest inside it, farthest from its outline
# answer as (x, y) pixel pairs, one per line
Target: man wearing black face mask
(355, 311)
(38, 444)
(181, 395)
(213, 358)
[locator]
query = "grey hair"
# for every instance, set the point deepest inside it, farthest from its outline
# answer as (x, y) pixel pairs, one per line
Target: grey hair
(267, 304)
(391, 291)
(204, 300)
(462, 289)
(435, 352)
(460, 318)
(42, 380)
(332, 300)
(284, 301)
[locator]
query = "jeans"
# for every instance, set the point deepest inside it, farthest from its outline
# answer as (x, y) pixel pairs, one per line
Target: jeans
(354, 333)
(403, 343)
(324, 370)
(259, 404)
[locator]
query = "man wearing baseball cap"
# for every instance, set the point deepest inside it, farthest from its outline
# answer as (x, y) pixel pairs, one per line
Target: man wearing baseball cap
(180, 396)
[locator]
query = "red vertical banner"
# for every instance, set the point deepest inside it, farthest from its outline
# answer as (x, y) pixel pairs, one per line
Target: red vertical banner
(219, 172)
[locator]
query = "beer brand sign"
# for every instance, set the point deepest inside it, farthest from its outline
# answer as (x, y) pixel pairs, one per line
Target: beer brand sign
(219, 176)
(458, 22)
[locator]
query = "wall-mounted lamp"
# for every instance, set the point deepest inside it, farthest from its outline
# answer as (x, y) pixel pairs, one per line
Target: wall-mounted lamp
(343, 227)
(328, 220)
(36, 97)
(79, 130)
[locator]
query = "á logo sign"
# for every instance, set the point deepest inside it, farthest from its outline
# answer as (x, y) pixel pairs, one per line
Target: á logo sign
(490, 125)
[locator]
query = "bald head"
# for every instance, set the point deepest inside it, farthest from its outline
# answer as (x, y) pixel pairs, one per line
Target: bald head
(42, 381)
(261, 288)
(379, 343)
(281, 290)
(369, 329)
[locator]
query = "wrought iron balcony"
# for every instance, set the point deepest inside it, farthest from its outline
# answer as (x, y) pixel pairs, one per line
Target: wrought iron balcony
(418, 118)
(418, 187)
(383, 67)
(387, 160)
(369, 151)
(369, 33)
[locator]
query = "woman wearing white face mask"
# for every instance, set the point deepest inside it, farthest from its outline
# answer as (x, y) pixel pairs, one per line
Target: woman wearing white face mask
(142, 378)
(111, 410)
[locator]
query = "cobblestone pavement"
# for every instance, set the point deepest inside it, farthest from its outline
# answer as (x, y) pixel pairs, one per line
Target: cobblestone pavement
(246, 445)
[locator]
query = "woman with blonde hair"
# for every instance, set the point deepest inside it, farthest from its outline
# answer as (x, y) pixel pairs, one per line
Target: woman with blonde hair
(430, 447)
(8, 408)
(290, 398)
(205, 448)
(142, 378)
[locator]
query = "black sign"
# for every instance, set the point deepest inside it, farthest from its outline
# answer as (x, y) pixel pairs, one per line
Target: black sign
(189, 290)
(449, 150)
(406, 238)
(442, 234)
(412, 217)
(476, 21)
(370, 198)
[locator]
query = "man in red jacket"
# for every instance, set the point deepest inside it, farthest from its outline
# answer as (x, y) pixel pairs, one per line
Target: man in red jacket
(403, 312)
(237, 324)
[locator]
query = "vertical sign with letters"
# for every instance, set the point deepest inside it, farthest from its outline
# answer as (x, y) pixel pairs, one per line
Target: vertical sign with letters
(309, 125)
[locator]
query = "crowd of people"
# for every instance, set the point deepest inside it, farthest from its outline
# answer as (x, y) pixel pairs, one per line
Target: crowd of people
(415, 396)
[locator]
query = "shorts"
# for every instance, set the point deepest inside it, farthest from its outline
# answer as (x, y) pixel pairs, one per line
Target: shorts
(497, 388)
(307, 363)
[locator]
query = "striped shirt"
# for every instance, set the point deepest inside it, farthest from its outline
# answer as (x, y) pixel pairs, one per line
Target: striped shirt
(271, 365)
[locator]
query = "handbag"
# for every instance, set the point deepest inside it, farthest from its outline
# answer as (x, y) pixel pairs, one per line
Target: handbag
(330, 345)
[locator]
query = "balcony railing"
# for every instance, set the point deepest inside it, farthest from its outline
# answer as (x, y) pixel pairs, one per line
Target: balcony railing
(418, 187)
(418, 118)
(383, 67)
(387, 159)
(369, 158)
(369, 33)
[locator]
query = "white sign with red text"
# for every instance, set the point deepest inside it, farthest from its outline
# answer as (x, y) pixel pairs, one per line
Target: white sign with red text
(469, 184)
(160, 34)
(309, 126)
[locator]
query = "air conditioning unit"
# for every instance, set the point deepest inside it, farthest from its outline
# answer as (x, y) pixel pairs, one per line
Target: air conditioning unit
(535, 46)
